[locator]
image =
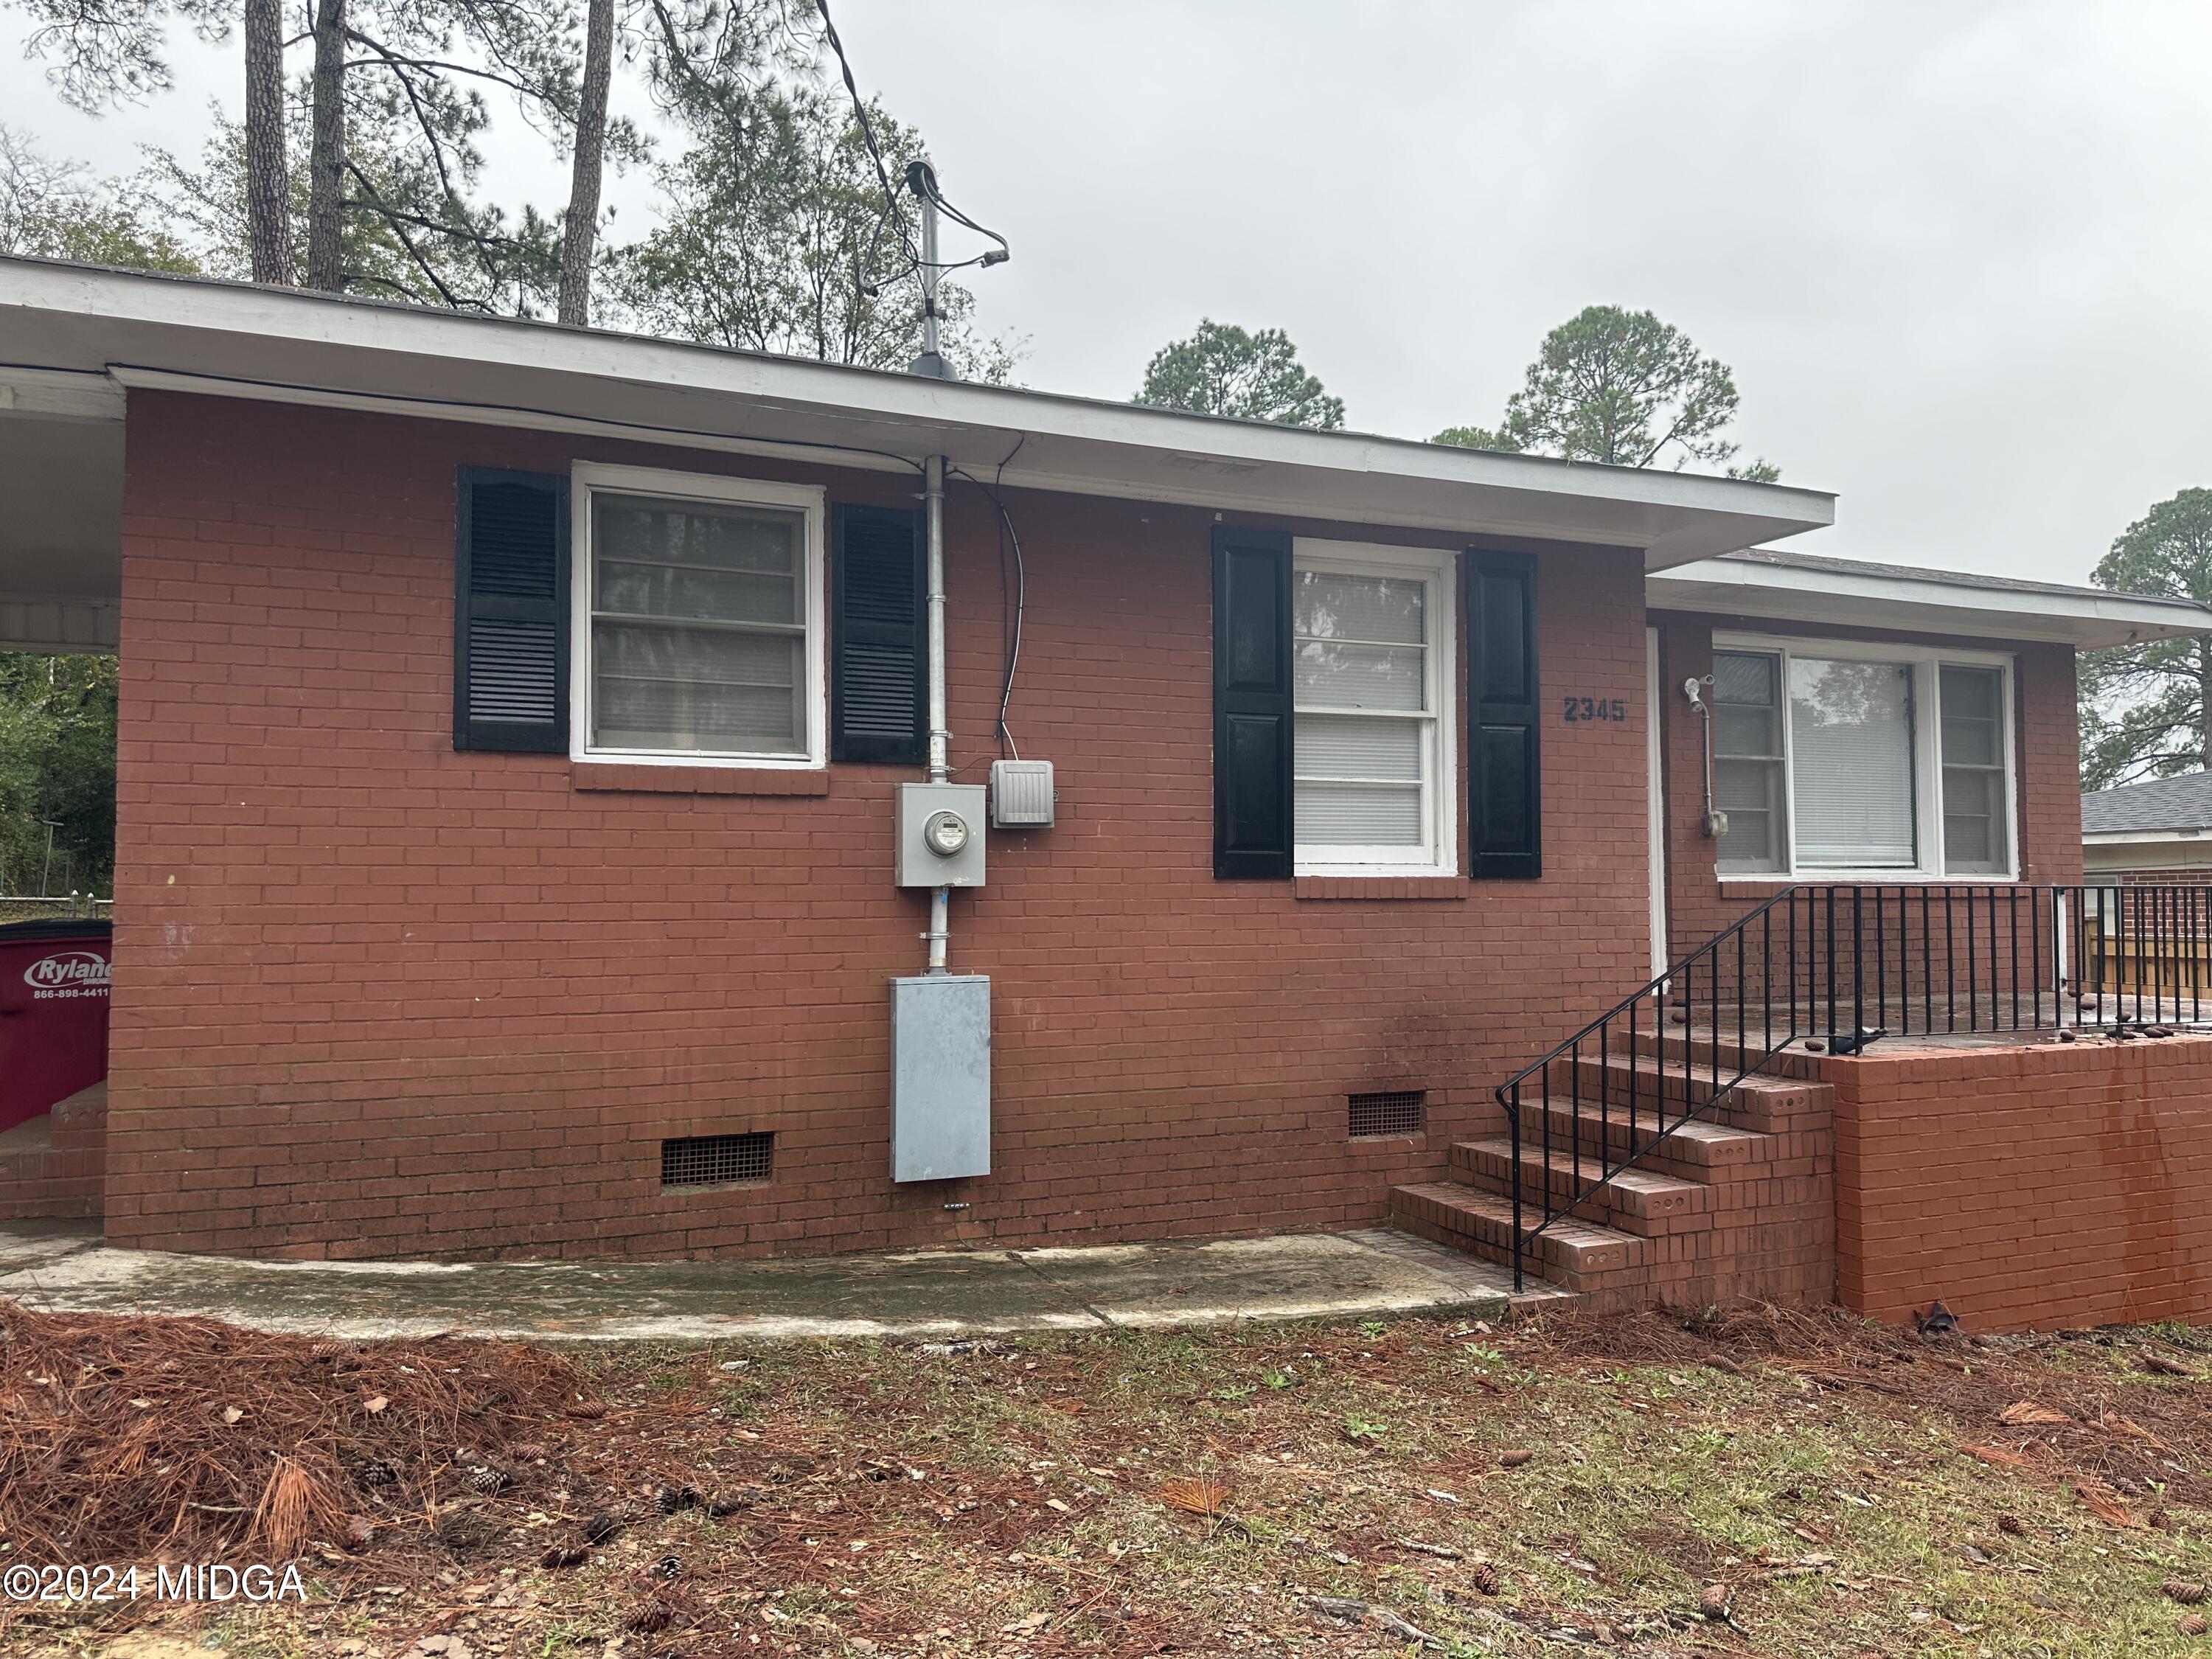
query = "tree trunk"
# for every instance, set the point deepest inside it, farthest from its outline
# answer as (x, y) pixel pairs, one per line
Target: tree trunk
(2204, 701)
(326, 153)
(268, 188)
(580, 230)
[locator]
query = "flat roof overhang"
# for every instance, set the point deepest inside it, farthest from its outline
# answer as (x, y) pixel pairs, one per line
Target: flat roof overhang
(72, 333)
(1736, 587)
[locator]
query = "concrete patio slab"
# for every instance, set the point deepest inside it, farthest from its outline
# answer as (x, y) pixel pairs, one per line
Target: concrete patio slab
(934, 1295)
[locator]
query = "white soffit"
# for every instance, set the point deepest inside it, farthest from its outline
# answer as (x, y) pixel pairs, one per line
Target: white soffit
(1913, 605)
(238, 340)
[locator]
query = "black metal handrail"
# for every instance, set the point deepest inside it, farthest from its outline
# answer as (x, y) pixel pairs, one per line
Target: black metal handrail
(1840, 967)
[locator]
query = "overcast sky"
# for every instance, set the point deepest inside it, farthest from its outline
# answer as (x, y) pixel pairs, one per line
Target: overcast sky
(1958, 255)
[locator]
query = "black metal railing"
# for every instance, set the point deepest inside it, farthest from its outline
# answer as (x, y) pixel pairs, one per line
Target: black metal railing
(1837, 968)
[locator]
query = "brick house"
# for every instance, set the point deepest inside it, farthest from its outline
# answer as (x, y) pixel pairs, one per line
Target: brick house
(511, 827)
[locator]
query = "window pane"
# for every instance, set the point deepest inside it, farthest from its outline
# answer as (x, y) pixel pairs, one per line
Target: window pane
(1977, 803)
(667, 686)
(1747, 782)
(733, 682)
(1349, 746)
(1739, 677)
(1753, 733)
(1358, 815)
(1750, 792)
(1379, 609)
(1850, 725)
(1971, 704)
(1332, 675)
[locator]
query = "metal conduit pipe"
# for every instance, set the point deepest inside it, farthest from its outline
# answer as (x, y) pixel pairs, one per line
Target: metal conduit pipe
(940, 736)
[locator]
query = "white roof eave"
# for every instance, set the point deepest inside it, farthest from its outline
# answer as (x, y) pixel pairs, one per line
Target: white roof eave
(1746, 587)
(238, 340)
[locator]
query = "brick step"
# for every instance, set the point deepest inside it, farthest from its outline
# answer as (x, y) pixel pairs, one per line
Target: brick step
(1482, 1222)
(1699, 1149)
(1765, 1105)
(1632, 1200)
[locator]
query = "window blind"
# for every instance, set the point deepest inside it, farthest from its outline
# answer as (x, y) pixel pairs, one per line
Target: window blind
(698, 627)
(1851, 730)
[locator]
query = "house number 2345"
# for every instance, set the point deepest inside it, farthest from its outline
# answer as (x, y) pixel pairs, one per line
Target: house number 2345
(1578, 709)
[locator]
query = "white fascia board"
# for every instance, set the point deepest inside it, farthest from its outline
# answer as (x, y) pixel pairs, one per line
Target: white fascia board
(59, 394)
(247, 341)
(1781, 593)
(2143, 838)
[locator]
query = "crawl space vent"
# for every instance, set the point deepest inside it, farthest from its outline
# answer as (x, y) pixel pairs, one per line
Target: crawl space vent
(1398, 1112)
(716, 1160)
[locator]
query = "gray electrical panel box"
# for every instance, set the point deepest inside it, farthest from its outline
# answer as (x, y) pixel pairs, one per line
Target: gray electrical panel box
(940, 1077)
(1021, 794)
(940, 835)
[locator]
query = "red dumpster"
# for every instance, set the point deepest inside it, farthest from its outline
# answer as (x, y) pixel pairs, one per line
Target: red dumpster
(53, 1013)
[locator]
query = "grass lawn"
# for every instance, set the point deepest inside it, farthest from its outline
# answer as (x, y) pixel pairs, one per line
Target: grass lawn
(1561, 1484)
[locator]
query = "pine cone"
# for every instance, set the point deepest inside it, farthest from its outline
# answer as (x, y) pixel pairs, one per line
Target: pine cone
(669, 1566)
(2010, 1525)
(2187, 1593)
(649, 1615)
(1486, 1578)
(2193, 1623)
(565, 1555)
(587, 1411)
(669, 1499)
(530, 1451)
(487, 1479)
(374, 1474)
(602, 1529)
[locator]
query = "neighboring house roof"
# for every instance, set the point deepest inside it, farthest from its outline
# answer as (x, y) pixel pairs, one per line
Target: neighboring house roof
(2182, 803)
(1810, 587)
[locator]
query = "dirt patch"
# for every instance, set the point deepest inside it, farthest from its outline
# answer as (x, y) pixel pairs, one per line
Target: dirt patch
(1834, 1490)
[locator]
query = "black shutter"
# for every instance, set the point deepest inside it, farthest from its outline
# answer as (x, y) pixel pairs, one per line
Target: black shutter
(1503, 775)
(511, 611)
(1253, 811)
(878, 637)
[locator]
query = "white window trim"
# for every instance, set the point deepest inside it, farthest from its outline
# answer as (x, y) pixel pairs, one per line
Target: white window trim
(1926, 758)
(587, 478)
(1438, 567)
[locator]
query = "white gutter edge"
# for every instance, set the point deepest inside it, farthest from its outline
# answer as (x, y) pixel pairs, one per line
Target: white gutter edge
(2122, 610)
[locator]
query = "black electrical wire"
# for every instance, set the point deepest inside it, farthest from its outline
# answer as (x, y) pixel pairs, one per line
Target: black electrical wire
(922, 179)
(1011, 643)
(890, 214)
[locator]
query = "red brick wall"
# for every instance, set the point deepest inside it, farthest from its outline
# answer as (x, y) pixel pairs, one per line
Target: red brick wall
(2046, 742)
(374, 996)
(2053, 1186)
(2172, 875)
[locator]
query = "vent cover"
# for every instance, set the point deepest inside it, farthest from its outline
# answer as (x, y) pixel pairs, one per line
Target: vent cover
(1398, 1113)
(717, 1160)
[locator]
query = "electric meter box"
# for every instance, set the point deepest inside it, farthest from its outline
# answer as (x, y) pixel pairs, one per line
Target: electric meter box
(940, 835)
(1021, 794)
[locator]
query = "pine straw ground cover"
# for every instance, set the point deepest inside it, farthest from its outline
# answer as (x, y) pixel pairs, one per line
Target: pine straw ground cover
(1753, 1483)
